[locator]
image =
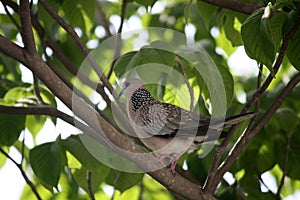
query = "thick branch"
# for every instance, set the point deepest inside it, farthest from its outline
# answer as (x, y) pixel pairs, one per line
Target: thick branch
(11, 49)
(103, 129)
(234, 5)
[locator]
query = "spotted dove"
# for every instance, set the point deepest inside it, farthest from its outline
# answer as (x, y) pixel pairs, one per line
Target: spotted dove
(169, 130)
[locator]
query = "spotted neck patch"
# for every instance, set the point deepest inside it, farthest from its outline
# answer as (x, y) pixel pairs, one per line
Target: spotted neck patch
(140, 97)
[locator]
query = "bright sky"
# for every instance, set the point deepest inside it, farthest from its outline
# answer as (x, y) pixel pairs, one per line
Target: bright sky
(11, 181)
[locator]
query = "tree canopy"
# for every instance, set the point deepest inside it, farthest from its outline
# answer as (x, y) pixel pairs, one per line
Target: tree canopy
(80, 52)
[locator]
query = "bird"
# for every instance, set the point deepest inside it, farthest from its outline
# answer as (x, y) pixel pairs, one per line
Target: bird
(169, 130)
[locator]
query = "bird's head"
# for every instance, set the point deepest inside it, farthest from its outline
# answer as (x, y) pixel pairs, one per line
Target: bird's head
(130, 86)
(136, 92)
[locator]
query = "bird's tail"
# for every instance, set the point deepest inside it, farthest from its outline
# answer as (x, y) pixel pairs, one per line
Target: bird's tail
(238, 118)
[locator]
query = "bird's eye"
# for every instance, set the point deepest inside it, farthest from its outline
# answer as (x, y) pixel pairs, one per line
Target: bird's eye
(127, 84)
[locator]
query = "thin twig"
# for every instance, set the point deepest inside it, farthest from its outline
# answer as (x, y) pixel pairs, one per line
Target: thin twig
(29, 183)
(37, 92)
(123, 13)
(102, 18)
(191, 91)
(259, 81)
(37, 110)
(286, 160)
(118, 37)
(81, 45)
(23, 148)
(11, 17)
(90, 187)
(262, 181)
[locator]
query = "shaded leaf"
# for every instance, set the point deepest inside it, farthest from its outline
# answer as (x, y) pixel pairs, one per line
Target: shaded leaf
(47, 162)
(232, 30)
(74, 145)
(122, 180)
(257, 39)
(206, 11)
(81, 178)
(146, 3)
(293, 50)
(293, 154)
(276, 25)
(11, 127)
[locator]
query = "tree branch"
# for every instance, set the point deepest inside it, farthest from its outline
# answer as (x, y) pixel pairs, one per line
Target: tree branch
(100, 128)
(82, 47)
(26, 29)
(238, 6)
(250, 133)
(11, 17)
(102, 19)
(286, 159)
(11, 49)
(118, 37)
(29, 183)
(257, 95)
(37, 92)
(90, 187)
(37, 110)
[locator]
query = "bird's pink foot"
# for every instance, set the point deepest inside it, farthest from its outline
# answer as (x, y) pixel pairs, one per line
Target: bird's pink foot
(175, 158)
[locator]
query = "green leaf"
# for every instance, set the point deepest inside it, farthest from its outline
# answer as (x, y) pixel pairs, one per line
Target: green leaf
(47, 162)
(11, 127)
(80, 176)
(21, 95)
(3, 158)
(206, 11)
(132, 193)
(122, 62)
(276, 25)
(73, 13)
(293, 154)
(47, 96)
(122, 180)
(35, 123)
(228, 83)
(26, 96)
(287, 118)
(232, 30)
(146, 3)
(74, 145)
(148, 54)
(257, 38)
(293, 50)
(250, 184)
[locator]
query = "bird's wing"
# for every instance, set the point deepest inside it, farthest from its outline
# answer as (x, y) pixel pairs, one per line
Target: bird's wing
(167, 120)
